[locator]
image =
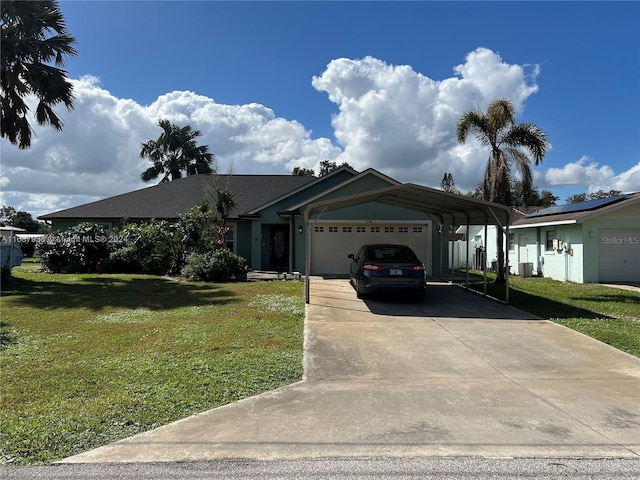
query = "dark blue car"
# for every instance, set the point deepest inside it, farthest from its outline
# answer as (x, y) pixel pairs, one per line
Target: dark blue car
(387, 268)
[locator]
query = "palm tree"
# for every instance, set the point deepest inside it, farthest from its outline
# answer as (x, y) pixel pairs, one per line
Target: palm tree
(510, 143)
(33, 35)
(225, 202)
(173, 152)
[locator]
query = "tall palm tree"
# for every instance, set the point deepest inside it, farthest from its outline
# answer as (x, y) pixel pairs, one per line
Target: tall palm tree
(33, 35)
(510, 143)
(175, 151)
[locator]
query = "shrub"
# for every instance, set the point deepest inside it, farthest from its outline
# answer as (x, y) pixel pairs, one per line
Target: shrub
(197, 228)
(152, 247)
(78, 249)
(218, 265)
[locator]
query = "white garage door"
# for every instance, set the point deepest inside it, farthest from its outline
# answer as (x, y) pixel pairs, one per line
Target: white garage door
(619, 257)
(332, 242)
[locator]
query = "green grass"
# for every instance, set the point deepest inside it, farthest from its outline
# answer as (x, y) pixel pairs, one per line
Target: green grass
(89, 359)
(608, 314)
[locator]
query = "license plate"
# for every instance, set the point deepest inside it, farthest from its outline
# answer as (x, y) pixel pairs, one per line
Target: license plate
(395, 271)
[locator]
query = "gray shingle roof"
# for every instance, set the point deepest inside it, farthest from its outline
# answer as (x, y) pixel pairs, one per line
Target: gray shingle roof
(167, 200)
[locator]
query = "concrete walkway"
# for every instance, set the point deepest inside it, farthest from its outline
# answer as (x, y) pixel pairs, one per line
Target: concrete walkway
(457, 374)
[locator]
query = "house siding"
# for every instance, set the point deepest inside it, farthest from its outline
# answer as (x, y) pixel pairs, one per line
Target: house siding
(563, 265)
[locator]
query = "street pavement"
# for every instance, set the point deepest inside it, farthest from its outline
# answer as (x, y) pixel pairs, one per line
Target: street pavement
(378, 468)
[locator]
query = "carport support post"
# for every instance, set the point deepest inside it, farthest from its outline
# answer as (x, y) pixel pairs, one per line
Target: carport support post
(500, 230)
(307, 267)
(450, 233)
(506, 265)
(307, 262)
(467, 252)
(484, 266)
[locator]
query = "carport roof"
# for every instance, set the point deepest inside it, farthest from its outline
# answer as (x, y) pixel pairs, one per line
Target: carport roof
(450, 208)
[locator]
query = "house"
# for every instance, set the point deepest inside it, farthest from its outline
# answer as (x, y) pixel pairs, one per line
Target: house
(302, 223)
(596, 241)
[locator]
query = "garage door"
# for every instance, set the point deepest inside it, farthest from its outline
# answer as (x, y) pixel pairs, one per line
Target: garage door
(331, 243)
(619, 257)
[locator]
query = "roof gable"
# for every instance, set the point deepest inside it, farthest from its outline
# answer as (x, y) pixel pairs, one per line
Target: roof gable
(311, 187)
(334, 192)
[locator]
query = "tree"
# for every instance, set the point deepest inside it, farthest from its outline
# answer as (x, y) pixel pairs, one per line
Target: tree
(548, 199)
(583, 197)
(33, 35)
(175, 151)
(327, 167)
(577, 198)
(299, 171)
(225, 202)
(510, 143)
(7, 214)
(10, 216)
(602, 194)
(448, 184)
(535, 198)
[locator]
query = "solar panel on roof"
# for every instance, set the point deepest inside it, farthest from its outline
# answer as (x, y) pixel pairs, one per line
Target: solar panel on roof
(578, 207)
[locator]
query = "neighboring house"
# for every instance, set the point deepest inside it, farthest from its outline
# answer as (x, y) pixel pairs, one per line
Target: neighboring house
(596, 241)
(270, 220)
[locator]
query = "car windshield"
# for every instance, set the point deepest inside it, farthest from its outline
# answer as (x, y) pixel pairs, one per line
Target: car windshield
(390, 253)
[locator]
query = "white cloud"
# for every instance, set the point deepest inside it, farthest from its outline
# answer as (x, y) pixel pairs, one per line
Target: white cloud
(97, 153)
(390, 117)
(628, 181)
(402, 122)
(592, 177)
(584, 171)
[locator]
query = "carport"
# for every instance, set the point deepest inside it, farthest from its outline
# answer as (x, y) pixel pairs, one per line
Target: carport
(447, 209)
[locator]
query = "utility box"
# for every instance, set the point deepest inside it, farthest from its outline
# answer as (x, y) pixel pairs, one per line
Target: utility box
(525, 269)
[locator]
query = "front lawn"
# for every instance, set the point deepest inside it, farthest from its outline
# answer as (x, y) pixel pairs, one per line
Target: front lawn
(608, 314)
(89, 359)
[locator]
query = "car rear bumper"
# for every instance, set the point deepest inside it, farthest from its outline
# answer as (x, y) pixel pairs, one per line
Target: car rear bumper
(369, 285)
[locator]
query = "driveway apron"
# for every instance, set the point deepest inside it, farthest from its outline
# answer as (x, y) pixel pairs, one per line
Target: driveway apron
(454, 375)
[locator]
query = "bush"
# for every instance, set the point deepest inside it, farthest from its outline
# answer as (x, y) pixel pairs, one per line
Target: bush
(219, 265)
(151, 247)
(78, 249)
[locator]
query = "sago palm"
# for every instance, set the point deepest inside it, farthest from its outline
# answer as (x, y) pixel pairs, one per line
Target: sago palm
(511, 145)
(34, 35)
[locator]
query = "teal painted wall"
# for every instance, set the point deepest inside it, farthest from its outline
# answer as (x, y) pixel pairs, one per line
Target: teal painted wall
(584, 240)
(243, 240)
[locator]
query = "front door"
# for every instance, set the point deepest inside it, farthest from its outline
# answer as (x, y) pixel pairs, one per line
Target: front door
(279, 248)
(523, 254)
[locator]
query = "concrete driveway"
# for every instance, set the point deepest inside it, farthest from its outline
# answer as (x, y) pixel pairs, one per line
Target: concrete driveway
(456, 374)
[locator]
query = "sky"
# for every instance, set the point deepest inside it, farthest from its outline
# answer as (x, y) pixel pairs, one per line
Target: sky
(275, 85)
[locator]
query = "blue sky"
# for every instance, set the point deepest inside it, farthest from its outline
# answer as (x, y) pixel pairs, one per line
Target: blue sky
(273, 85)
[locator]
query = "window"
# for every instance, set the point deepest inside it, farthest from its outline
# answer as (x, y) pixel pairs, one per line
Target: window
(551, 236)
(375, 229)
(388, 229)
(512, 242)
(333, 229)
(361, 229)
(417, 229)
(346, 229)
(319, 229)
(229, 238)
(403, 229)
